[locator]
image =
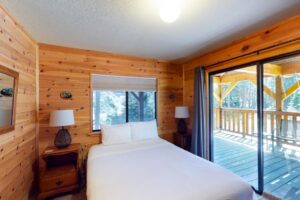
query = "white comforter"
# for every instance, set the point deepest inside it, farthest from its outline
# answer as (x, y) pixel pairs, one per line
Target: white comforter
(158, 170)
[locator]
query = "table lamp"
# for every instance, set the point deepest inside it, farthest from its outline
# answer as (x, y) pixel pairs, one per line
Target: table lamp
(181, 113)
(62, 118)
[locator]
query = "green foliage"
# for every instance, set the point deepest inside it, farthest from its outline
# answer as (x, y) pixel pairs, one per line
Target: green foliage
(141, 106)
(244, 95)
(292, 103)
(109, 107)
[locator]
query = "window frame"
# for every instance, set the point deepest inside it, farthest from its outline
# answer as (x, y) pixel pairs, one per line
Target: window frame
(126, 109)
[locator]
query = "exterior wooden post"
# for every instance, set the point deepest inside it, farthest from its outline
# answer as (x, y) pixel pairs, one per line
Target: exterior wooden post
(220, 107)
(279, 92)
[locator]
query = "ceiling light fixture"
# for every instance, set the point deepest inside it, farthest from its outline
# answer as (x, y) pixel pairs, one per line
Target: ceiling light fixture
(169, 10)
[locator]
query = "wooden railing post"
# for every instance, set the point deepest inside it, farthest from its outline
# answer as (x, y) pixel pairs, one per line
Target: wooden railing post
(285, 125)
(220, 119)
(252, 122)
(295, 126)
(225, 120)
(272, 117)
(234, 122)
(231, 121)
(265, 122)
(244, 123)
(237, 120)
(247, 123)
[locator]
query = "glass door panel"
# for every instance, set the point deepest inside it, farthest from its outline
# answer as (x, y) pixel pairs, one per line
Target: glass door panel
(234, 121)
(281, 135)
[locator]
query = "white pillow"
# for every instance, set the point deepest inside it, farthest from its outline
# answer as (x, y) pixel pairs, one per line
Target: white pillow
(116, 134)
(143, 130)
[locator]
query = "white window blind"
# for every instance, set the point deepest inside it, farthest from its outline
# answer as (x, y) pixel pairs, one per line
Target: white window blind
(123, 83)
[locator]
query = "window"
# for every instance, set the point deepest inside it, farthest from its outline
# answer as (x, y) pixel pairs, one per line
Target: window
(243, 95)
(109, 107)
(120, 99)
(116, 107)
(141, 106)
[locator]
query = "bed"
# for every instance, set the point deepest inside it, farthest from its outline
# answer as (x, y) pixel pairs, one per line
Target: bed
(155, 169)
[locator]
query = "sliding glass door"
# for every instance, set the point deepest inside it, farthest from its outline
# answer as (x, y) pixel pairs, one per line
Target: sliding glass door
(235, 122)
(255, 124)
(282, 127)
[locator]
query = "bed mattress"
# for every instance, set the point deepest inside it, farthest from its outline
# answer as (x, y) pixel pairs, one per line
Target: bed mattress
(158, 170)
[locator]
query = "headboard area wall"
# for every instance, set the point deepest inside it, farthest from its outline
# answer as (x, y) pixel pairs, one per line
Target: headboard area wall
(66, 69)
(18, 155)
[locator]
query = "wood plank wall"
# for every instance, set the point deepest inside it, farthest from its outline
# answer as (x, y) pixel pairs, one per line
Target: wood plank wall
(18, 148)
(281, 38)
(69, 69)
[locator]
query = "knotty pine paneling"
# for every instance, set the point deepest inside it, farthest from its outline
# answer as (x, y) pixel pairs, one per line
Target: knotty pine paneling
(281, 38)
(18, 148)
(70, 69)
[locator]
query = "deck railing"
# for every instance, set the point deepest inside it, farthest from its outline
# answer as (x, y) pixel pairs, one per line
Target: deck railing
(283, 125)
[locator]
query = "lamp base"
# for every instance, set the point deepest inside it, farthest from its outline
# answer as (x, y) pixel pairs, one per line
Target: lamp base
(62, 139)
(181, 128)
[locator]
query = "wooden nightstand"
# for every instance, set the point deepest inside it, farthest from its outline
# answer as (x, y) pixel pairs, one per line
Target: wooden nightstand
(183, 140)
(62, 171)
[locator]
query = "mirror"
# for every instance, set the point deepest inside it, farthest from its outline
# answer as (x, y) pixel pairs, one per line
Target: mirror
(8, 94)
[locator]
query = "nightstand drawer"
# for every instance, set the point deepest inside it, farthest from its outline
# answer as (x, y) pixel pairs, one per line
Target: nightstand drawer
(58, 178)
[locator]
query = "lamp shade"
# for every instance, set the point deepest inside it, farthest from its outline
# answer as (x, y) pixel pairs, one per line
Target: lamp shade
(182, 112)
(61, 118)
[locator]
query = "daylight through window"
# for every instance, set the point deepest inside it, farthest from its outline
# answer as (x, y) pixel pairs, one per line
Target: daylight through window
(118, 99)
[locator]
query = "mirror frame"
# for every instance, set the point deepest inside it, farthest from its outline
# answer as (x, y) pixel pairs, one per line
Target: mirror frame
(15, 75)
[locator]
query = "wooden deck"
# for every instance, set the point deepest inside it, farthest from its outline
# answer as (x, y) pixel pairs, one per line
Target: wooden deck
(239, 155)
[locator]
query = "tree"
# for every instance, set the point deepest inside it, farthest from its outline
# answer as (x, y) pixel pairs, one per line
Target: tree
(141, 106)
(141, 98)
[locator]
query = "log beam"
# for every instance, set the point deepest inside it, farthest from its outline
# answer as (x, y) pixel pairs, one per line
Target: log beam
(269, 70)
(228, 90)
(229, 78)
(217, 97)
(291, 90)
(249, 73)
(266, 89)
(291, 68)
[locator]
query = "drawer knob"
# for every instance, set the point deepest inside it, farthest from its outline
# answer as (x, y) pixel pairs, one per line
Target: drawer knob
(59, 182)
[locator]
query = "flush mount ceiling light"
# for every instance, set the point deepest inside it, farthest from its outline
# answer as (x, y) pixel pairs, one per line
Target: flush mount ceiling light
(169, 10)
